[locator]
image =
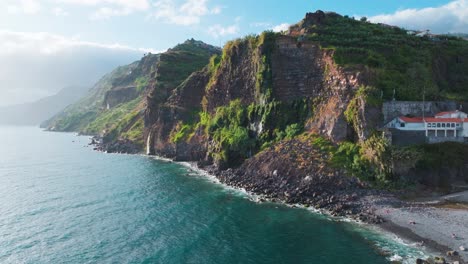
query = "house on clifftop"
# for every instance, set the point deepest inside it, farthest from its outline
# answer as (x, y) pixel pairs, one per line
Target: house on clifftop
(443, 127)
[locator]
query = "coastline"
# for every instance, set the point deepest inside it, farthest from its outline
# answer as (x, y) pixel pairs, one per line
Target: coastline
(402, 234)
(407, 234)
(430, 225)
(372, 207)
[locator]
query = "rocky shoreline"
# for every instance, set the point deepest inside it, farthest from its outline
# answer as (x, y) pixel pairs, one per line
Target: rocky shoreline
(338, 196)
(339, 203)
(359, 204)
(118, 146)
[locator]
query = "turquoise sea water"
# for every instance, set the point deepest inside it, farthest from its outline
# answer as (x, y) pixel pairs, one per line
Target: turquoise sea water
(62, 202)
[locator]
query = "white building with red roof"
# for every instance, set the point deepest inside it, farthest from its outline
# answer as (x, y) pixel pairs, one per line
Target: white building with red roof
(444, 126)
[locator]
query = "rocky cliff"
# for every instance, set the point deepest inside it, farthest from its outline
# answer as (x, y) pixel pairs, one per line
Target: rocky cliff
(316, 88)
(265, 89)
(262, 72)
(116, 106)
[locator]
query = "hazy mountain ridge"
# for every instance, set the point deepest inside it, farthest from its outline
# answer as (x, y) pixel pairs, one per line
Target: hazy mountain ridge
(114, 107)
(34, 113)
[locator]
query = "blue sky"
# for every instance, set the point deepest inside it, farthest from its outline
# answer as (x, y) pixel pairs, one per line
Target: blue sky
(41, 39)
(136, 23)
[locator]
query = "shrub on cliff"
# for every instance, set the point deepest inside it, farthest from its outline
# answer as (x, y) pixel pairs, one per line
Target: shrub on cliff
(397, 60)
(369, 160)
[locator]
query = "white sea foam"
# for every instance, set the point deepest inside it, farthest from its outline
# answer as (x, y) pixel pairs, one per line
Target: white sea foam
(401, 250)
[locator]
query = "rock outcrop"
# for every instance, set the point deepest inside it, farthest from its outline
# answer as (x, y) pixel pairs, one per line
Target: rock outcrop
(297, 72)
(118, 96)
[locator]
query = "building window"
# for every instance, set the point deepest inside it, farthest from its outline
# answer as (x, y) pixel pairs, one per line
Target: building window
(402, 125)
(443, 124)
(429, 125)
(453, 124)
(458, 125)
(438, 124)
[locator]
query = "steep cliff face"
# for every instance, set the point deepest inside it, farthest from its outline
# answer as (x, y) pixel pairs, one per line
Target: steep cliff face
(115, 97)
(298, 69)
(269, 74)
(116, 89)
(235, 76)
(171, 69)
(115, 108)
(175, 67)
(170, 99)
(179, 108)
(328, 75)
(338, 87)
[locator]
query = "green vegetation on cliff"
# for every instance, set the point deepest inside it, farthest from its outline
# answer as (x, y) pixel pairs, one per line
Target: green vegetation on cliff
(368, 160)
(179, 62)
(397, 59)
(239, 131)
(78, 117)
(259, 49)
(110, 111)
(330, 75)
(242, 116)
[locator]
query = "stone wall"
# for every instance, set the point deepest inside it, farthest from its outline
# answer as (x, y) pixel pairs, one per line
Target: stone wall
(434, 139)
(407, 138)
(394, 109)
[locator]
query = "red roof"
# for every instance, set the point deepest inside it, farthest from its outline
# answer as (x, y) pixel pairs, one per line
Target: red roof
(445, 120)
(446, 113)
(432, 120)
(411, 119)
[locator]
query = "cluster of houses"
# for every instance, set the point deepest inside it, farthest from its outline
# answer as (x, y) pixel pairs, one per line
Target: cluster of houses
(444, 126)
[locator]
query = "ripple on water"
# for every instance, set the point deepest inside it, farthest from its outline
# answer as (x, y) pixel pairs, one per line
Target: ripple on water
(65, 203)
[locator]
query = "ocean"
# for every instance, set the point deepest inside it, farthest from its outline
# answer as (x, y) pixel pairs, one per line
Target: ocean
(62, 202)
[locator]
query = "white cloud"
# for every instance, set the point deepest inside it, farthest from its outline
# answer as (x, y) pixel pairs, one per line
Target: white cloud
(216, 10)
(57, 11)
(47, 43)
(110, 8)
(106, 13)
(261, 24)
(280, 27)
(179, 12)
(38, 64)
(186, 13)
(29, 7)
(140, 5)
(452, 17)
(219, 31)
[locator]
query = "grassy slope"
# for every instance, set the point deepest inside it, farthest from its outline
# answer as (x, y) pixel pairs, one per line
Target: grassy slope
(125, 121)
(397, 60)
(412, 66)
(77, 116)
(400, 61)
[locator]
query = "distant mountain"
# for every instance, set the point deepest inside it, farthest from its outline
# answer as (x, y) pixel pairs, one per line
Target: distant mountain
(35, 112)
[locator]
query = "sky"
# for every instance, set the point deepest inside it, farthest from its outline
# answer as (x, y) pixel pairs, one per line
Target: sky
(46, 45)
